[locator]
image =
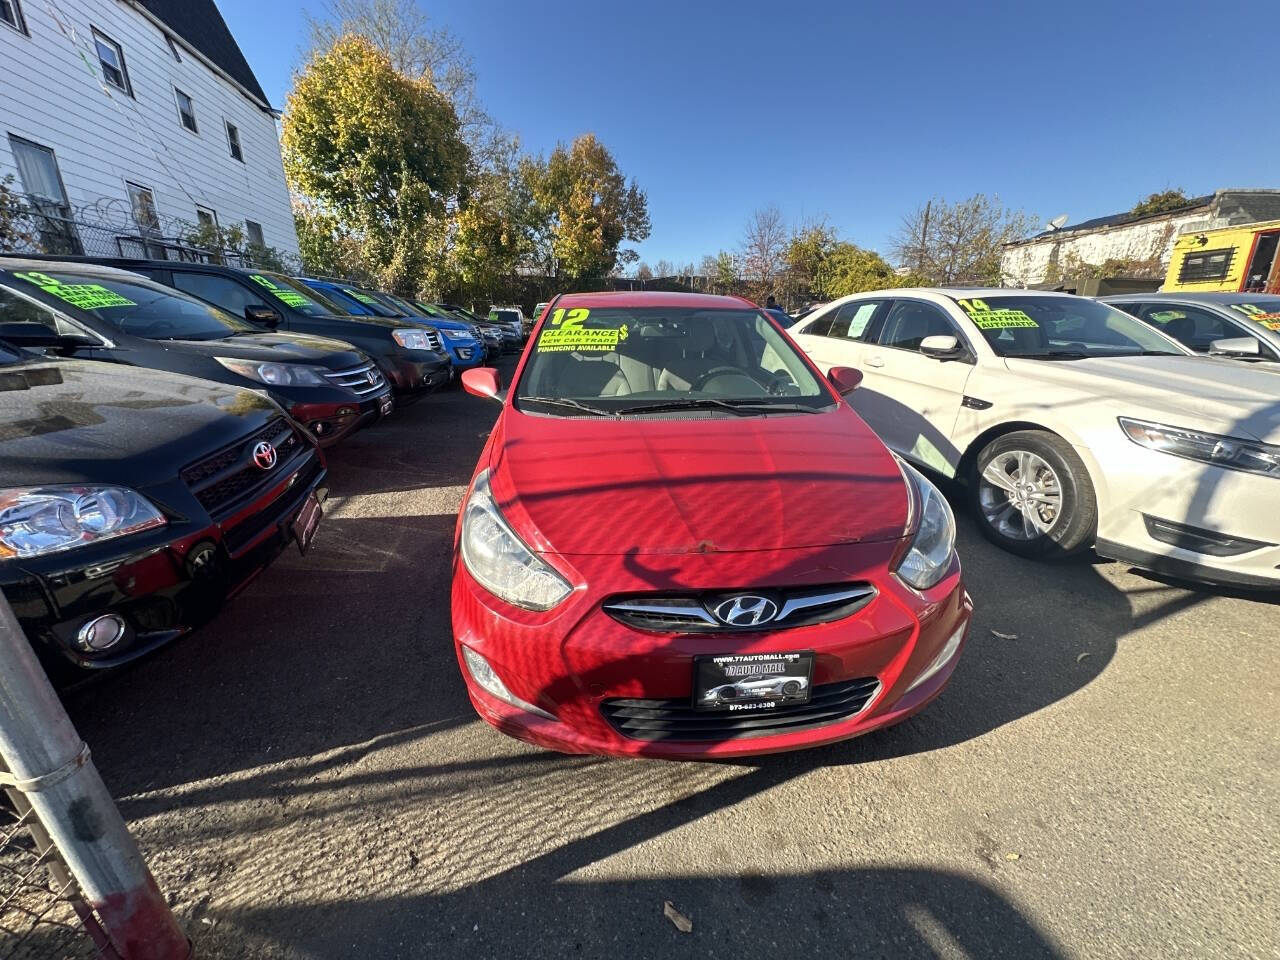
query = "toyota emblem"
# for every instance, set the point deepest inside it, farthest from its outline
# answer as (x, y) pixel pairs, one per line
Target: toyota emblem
(746, 611)
(264, 455)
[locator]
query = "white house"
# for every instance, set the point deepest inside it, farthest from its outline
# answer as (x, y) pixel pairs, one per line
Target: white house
(139, 116)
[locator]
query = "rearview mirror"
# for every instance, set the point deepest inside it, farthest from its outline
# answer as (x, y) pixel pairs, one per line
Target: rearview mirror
(264, 316)
(482, 382)
(940, 347)
(844, 379)
(1235, 347)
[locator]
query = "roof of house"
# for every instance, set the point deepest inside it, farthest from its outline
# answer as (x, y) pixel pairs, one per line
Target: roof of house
(1118, 219)
(201, 26)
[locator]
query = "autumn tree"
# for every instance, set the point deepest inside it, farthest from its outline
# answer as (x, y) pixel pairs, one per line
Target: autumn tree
(806, 255)
(848, 268)
(587, 208)
(494, 229)
(961, 242)
(764, 242)
(379, 150)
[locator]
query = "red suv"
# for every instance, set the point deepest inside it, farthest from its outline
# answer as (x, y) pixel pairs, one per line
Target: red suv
(679, 542)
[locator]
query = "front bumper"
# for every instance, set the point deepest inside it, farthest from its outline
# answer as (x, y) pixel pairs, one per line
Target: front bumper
(1143, 504)
(163, 583)
(415, 373)
(466, 354)
(574, 661)
(332, 422)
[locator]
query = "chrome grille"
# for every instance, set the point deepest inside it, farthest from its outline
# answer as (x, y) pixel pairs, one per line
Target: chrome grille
(433, 341)
(796, 606)
(362, 380)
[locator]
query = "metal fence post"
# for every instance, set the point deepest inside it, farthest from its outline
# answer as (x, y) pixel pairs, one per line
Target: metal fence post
(50, 764)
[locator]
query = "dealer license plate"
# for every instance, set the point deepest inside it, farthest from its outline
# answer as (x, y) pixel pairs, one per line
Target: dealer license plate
(385, 405)
(737, 682)
(307, 522)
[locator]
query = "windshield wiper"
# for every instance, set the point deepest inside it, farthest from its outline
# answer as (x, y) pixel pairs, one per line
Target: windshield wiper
(574, 404)
(741, 407)
(1051, 355)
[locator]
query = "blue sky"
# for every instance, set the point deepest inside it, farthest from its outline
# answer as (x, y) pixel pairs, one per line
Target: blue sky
(862, 111)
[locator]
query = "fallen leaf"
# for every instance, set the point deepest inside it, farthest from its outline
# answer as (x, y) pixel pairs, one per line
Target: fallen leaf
(1013, 856)
(682, 923)
(1083, 655)
(1004, 636)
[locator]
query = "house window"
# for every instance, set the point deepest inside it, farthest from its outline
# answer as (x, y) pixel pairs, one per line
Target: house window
(143, 203)
(206, 217)
(112, 59)
(233, 141)
(186, 111)
(1206, 265)
(42, 183)
(254, 233)
(11, 14)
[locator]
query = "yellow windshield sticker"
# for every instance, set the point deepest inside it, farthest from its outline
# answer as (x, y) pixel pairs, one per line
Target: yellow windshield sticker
(1255, 312)
(566, 332)
(283, 294)
(86, 296)
(1271, 324)
(984, 318)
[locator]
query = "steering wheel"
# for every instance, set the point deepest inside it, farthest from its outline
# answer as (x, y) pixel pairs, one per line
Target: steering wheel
(713, 373)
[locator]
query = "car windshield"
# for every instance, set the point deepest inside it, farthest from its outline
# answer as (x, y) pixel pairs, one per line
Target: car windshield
(138, 307)
(1265, 310)
(296, 295)
(506, 316)
(617, 362)
(1061, 328)
(353, 302)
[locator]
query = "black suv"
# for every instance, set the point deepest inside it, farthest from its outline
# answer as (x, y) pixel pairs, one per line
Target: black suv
(409, 354)
(100, 313)
(134, 501)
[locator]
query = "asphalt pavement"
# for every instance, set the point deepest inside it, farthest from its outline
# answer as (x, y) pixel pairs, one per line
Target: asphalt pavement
(308, 780)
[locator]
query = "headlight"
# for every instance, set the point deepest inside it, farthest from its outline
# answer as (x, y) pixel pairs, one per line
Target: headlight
(276, 374)
(39, 520)
(935, 540)
(416, 339)
(497, 558)
(1233, 453)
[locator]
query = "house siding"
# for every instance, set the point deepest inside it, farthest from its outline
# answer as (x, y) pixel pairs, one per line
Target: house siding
(54, 97)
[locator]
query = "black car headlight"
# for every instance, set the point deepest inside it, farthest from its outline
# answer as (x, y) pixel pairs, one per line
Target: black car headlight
(1232, 453)
(276, 374)
(929, 556)
(500, 561)
(39, 520)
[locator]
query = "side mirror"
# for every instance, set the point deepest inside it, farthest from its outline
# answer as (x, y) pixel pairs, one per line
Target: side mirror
(844, 379)
(263, 316)
(940, 347)
(482, 382)
(37, 335)
(1235, 347)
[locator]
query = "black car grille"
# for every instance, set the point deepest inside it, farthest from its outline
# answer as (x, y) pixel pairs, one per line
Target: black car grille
(362, 380)
(696, 613)
(677, 720)
(223, 480)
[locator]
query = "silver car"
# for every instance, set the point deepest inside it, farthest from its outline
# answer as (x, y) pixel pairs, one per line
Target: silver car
(1244, 326)
(756, 687)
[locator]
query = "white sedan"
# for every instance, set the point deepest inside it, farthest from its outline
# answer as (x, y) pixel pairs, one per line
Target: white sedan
(1072, 424)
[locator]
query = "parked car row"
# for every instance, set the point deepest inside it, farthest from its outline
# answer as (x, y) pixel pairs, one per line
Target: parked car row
(161, 432)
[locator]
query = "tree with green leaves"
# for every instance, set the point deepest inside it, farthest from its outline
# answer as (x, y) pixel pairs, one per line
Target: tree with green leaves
(494, 229)
(848, 268)
(1161, 202)
(960, 242)
(587, 208)
(381, 152)
(807, 255)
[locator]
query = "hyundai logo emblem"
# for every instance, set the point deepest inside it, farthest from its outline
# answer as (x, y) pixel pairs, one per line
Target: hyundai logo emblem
(746, 611)
(264, 455)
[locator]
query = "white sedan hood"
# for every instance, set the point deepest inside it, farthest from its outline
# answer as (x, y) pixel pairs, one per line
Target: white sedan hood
(1200, 393)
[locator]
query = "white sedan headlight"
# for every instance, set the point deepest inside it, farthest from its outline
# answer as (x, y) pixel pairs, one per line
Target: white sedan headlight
(412, 339)
(1233, 453)
(499, 561)
(39, 520)
(276, 374)
(929, 557)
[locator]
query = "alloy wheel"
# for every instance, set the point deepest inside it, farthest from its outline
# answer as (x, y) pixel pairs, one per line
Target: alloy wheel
(1020, 495)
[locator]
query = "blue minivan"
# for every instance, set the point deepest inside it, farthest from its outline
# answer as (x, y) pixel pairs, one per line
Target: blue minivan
(461, 340)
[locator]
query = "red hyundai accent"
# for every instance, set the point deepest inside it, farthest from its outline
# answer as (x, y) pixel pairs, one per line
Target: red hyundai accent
(679, 542)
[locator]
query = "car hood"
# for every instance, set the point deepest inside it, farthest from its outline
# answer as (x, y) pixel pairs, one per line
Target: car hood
(681, 486)
(278, 347)
(1205, 393)
(75, 421)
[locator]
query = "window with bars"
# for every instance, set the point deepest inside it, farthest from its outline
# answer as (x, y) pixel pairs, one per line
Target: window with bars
(1206, 265)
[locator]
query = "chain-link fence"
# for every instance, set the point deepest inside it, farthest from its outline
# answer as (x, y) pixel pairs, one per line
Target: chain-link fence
(42, 913)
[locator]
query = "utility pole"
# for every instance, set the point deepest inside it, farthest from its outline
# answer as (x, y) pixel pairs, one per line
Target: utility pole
(49, 763)
(924, 236)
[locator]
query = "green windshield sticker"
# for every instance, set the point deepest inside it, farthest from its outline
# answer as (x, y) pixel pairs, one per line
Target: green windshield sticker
(283, 294)
(362, 297)
(86, 296)
(984, 318)
(1164, 316)
(1254, 312)
(566, 332)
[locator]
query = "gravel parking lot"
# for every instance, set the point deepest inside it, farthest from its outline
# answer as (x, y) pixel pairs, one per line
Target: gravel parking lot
(307, 777)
